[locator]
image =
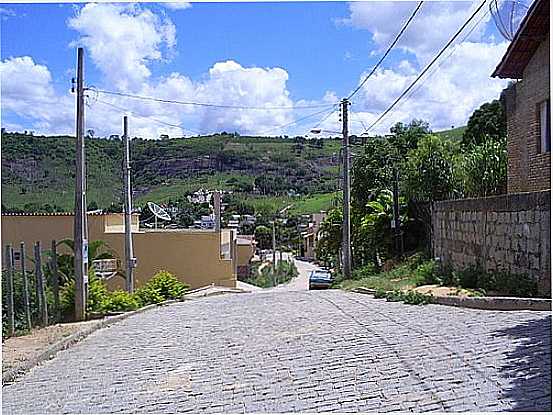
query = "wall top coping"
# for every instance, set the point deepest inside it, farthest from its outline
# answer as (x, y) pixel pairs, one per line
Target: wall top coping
(511, 202)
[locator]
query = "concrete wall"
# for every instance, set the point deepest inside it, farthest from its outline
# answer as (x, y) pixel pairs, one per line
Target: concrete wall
(194, 256)
(528, 169)
(509, 232)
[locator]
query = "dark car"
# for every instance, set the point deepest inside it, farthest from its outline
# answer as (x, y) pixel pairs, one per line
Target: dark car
(320, 278)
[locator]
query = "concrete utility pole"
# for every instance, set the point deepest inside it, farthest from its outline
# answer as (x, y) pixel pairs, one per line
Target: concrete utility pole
(398, 237)
(217, 210)
(346, 228)
(80, 229)
(274, 246)
(129, 257)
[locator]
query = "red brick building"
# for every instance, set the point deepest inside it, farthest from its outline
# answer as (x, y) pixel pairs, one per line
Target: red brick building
(527, 103)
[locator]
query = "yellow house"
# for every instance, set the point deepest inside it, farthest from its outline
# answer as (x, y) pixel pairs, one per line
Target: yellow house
(311, 235)
(197, 257)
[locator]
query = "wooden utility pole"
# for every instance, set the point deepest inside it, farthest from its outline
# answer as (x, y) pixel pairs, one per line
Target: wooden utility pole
(129, 257)
(26, 302)
(80, 229)
(42, 301)
(9, 290)
(55, 280)
(346, 227)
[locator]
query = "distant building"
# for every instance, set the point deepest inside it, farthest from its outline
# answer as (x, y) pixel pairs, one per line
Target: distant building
(311, 235)
(527, 103)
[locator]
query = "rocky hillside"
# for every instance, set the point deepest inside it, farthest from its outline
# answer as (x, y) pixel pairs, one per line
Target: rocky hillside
(38, 171)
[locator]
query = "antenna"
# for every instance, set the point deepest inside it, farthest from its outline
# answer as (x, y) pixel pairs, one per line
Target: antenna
(507, 16)
(158, 212)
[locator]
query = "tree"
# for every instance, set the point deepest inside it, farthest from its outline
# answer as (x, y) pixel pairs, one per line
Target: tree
(263, 235)
(430, 170)
(487, 121)
(405, 137)
(484, 169)
(330, 238)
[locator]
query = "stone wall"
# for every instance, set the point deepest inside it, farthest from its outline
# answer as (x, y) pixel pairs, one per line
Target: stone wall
(509, 232)
(528, 168)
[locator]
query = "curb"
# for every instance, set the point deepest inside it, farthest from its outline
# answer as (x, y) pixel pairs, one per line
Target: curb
(11, 374)
(485, 303)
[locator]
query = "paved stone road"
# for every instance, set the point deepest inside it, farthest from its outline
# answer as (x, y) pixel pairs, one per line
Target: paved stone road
(298, 351)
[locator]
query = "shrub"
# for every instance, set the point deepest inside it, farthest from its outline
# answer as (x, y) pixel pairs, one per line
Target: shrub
(121, 301)
(148, 295)
(409, 297)
(96, 300)
(167, 286)
(427, 273)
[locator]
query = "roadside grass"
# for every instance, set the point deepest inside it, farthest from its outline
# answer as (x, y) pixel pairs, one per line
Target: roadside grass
(266, 278)
(415, 271)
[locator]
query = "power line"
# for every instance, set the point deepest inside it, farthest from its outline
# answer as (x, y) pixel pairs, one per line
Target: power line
(145, 116)
(387, 50)
(413, 92)
(428, 66)
(295, 121)
(206, 104)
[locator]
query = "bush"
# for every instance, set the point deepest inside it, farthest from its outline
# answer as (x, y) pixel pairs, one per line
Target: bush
(96, 301)
(121, 301)
(166, 285)
(148, 295)
(427, 273)
(408, 297)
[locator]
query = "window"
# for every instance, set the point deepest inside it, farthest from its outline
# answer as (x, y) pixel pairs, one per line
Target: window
(544, 114)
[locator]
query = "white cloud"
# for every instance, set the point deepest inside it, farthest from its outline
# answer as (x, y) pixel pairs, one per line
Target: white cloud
(446, 96)
(123, 40)
(27, 91)
(177, 5)
(433, 25)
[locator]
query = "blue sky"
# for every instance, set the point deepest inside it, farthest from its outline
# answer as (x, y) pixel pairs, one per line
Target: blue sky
(239, 53)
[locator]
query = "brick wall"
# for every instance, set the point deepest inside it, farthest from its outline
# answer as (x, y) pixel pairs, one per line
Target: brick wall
(528, 170)
(509, 232)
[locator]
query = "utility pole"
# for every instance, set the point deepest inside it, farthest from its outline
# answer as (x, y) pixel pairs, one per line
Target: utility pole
(80, 229)
(346, 228)
(274, 246)
(398, 237)
(129, 257)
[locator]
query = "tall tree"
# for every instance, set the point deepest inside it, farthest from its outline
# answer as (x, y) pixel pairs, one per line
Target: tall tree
(487, 121)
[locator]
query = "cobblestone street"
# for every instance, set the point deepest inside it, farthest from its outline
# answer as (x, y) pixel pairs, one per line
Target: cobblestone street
(298, 351)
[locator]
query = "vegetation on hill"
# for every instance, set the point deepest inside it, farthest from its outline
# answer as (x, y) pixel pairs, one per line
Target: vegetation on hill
(38, 171)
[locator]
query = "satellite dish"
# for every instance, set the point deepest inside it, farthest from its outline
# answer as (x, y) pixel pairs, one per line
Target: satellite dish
(158, 211)
(507, 16)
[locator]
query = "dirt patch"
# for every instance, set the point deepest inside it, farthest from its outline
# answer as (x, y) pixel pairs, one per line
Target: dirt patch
(17, 350)
(439, 291)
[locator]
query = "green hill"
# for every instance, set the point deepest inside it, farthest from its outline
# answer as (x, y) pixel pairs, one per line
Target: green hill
(38, 171)
(455, 134)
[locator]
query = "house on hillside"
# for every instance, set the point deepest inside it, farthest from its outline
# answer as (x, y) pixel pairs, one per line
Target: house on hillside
(311, 235)
(527, 103)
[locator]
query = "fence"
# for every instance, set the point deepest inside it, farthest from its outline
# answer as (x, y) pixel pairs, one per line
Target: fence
(30, 297)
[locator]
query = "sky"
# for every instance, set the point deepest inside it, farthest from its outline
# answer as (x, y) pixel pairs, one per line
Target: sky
(285, 56)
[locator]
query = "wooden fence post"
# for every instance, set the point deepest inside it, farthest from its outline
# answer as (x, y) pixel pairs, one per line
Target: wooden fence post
(55, 281)
(26, 302)
(9, 290)
(43, 306)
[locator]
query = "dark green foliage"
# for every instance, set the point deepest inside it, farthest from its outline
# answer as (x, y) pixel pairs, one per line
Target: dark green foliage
(407, 297)
(405, 137)
(487, 121)
(492, 282)
(167, 286)
(121, 301)
(484, 168)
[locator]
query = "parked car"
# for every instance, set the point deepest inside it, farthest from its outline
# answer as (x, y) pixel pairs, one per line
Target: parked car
(320, 278)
